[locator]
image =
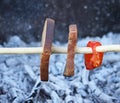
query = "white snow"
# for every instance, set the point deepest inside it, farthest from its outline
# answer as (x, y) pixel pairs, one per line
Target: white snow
(20, 76)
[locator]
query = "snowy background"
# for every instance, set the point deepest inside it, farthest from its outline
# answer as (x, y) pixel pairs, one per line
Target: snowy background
(19, 76)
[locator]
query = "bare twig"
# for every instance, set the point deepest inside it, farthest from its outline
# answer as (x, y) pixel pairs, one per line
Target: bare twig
(56, 49)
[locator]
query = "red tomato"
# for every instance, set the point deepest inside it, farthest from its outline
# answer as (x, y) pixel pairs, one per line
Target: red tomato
(93, 60)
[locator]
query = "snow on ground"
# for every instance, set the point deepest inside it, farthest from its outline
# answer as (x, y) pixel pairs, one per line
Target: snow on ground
(19, 76)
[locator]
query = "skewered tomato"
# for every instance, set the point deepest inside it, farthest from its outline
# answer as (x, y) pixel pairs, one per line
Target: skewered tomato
(93, 60)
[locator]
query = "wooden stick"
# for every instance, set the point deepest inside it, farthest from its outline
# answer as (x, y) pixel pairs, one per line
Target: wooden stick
(56, 49)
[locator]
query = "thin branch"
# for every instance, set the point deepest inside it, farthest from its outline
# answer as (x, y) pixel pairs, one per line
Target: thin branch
(55, 49)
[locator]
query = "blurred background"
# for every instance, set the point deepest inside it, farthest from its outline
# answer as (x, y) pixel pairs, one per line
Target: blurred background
(26, 18)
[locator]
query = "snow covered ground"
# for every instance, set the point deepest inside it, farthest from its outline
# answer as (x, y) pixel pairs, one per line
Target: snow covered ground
(19, 76)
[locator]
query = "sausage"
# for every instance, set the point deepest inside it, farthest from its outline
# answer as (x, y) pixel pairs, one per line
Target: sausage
(47, 37)
(72, 39)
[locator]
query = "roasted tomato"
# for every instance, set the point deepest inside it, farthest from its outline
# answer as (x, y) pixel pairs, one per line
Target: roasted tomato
(93, 60)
